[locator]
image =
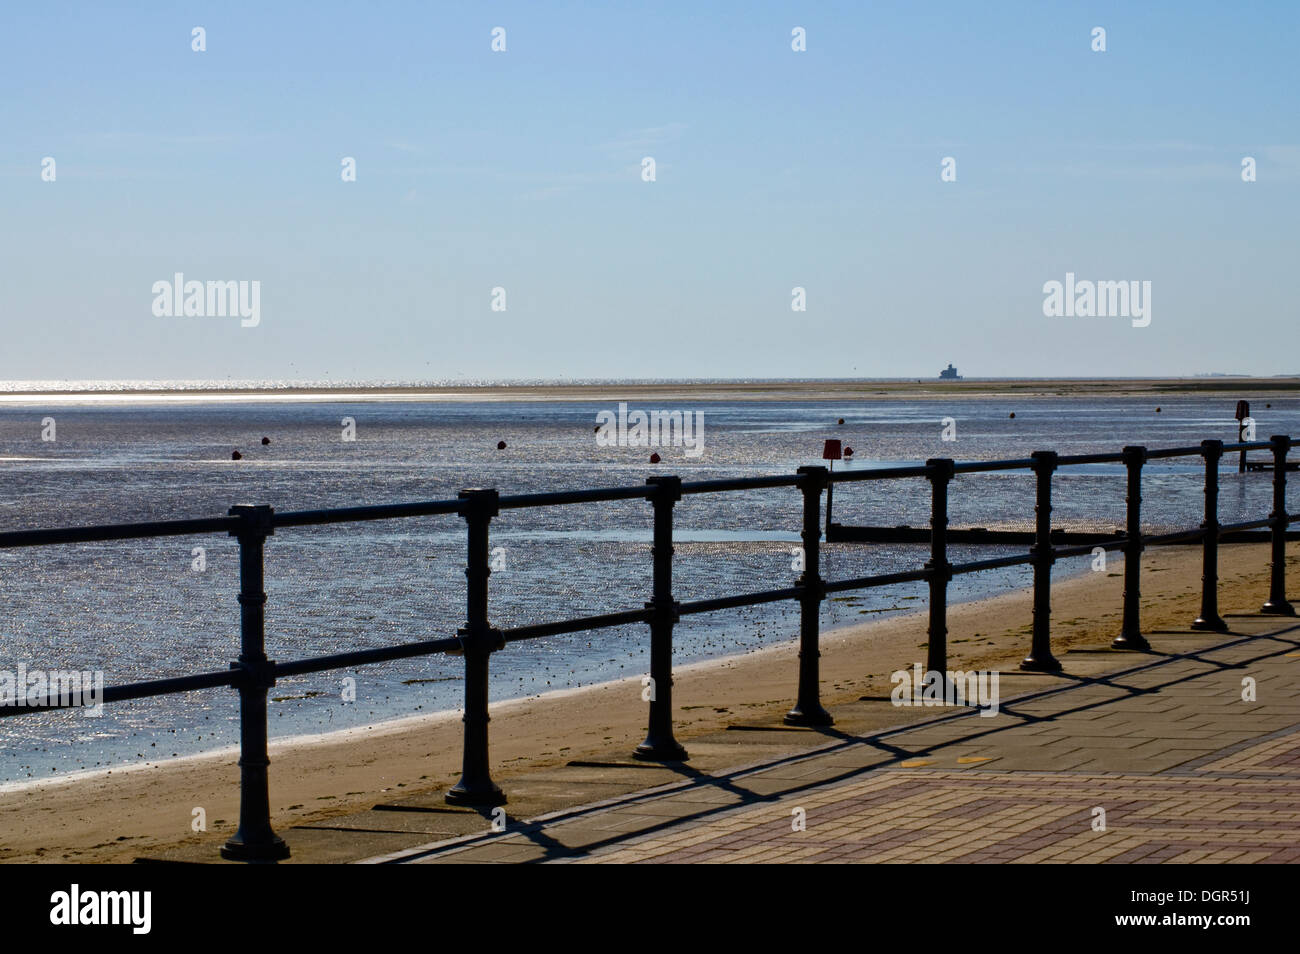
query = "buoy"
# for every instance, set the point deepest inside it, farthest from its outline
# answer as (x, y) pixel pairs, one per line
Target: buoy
(501, 445)
(841, 420)
(265, 441)
(1268, 405)
(1157, 410)
(654, 458)
(1013, 414)
(235, 455)
(848, 452)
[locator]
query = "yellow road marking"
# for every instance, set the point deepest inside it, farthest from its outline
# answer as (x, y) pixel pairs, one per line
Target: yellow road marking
(916, 763)
(968, 759)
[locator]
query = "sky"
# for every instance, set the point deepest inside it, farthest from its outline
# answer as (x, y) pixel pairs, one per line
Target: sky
(522, 170)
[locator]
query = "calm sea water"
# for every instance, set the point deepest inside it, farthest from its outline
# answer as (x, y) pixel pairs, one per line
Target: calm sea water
(139, 610)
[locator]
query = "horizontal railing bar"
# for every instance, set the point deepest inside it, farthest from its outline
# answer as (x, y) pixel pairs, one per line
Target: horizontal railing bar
(562, 497)
(162, 687)
(1248, 445)
(878, 473)
(994, 563)
(121, 531)
(879, 579)
(1158, 539)
(739, 483)
(604, 621)
(361, 657)
(1115, 543)
(744, 599)
(1174, 452)
(963, 536)
(142, 690)
(1245, 525)
(1066, 460)
(304, 518)
(980, 467)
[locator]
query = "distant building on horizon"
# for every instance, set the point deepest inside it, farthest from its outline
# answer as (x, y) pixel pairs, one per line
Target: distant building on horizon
(949, 373)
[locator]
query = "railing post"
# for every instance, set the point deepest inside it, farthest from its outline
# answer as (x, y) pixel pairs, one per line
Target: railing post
(255, 840)
(1040, 658)
(659, 744)
(1130, 634)
(1209, 619)
(1277, 602)
(808, 708)
(939, 471)
(479, 640)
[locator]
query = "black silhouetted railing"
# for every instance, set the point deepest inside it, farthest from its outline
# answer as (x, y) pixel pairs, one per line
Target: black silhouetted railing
(253, 674)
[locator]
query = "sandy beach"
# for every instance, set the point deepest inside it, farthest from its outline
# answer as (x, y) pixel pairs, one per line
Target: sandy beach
(116, 815)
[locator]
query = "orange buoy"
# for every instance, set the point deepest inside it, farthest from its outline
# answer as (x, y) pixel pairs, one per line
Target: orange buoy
(1013, 414)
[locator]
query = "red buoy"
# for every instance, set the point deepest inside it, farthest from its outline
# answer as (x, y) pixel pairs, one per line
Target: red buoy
(654, 458)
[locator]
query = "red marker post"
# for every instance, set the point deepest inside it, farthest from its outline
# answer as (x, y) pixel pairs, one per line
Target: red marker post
(831, 451)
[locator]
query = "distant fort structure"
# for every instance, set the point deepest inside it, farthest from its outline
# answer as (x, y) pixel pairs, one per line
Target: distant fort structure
(949, 373)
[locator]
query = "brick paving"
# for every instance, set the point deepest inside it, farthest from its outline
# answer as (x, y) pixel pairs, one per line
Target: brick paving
(1184, 769)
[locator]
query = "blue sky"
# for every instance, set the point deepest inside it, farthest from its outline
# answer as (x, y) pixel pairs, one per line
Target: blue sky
(521, 169)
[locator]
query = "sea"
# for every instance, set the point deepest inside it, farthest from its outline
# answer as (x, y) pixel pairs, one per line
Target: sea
(146, 609)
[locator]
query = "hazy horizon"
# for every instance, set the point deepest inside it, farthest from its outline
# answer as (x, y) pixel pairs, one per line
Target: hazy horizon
(200, 384)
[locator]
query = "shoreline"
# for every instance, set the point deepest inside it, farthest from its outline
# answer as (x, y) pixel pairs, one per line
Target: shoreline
(148, 808)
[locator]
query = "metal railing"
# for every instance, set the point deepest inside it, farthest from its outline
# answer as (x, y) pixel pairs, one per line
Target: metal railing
(253, 674)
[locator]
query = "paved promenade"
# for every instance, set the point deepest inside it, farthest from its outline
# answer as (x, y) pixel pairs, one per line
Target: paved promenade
(1162, 762)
